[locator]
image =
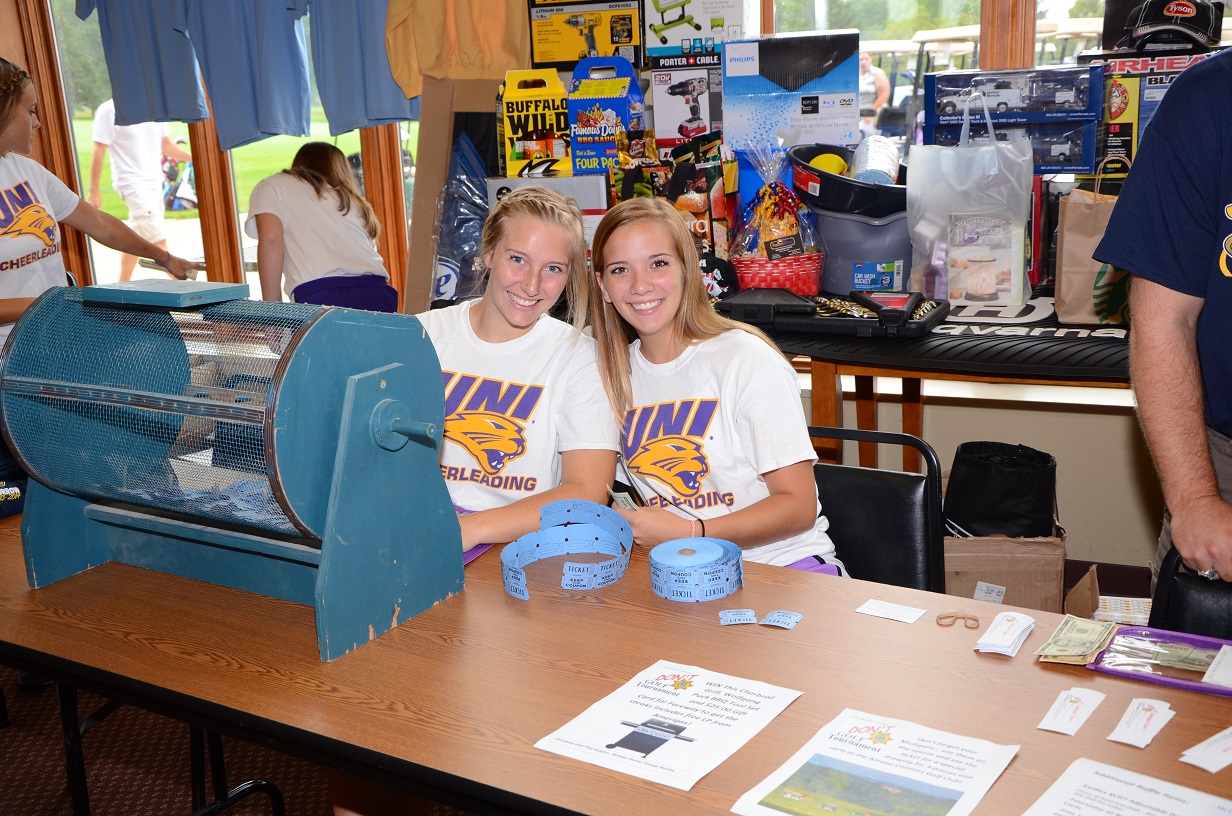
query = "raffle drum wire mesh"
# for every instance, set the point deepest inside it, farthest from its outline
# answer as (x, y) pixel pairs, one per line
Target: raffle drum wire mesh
(162, 408)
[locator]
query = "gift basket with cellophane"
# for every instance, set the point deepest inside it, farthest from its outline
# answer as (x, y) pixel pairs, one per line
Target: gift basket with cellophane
(776, 244)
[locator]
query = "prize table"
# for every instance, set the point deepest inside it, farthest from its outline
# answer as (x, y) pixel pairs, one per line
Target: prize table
(1027, 352)
(449, 705)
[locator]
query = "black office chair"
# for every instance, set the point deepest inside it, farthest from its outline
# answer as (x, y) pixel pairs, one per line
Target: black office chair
(1185, 602)
(886, 524)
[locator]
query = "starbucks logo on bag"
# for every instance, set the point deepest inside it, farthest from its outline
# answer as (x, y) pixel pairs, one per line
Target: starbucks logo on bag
(1111, 295)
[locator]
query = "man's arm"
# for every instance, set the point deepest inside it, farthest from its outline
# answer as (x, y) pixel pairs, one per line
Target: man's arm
(96, 174)
(173, 150)
(1168, 386)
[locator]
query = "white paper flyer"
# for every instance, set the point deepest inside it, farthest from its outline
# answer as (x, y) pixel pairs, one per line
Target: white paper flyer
(862, 763)
(1088, 786)
(671, 723)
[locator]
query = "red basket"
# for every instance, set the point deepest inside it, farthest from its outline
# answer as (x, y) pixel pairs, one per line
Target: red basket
(796, 273)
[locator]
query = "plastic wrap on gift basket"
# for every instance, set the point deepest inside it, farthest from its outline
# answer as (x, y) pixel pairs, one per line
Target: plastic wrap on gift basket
(776, 244)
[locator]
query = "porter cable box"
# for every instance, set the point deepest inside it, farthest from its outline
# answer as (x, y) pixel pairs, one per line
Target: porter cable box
(682, 27)
(687, 93)
(565, 31)
(533, 124)
(787, 90)
(1134, 86)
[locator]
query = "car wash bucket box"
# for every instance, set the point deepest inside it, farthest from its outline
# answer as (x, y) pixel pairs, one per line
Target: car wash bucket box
(605, 102)
(533, 124)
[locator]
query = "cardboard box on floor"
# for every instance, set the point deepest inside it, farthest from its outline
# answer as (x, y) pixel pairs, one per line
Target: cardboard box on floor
(442, 98)
(1032, 570)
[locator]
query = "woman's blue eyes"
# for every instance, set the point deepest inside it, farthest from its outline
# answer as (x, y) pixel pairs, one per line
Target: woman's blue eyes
(518, 259)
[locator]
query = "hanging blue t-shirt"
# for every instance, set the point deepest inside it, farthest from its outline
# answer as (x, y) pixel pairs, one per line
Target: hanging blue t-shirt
(1173, 218)
(255, 63)
(150, 59)
(351, 65)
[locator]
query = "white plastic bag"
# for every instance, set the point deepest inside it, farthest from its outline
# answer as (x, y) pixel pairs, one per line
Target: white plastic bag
(967, 210)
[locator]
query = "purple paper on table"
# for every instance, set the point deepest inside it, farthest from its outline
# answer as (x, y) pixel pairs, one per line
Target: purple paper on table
(474, 552)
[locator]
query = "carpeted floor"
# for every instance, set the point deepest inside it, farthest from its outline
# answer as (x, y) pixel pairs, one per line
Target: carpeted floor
(136, 763)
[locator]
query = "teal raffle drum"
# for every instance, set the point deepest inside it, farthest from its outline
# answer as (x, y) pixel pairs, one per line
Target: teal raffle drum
(284, 449)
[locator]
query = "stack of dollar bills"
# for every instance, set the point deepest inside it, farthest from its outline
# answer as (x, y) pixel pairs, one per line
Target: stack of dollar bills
(1077, 641)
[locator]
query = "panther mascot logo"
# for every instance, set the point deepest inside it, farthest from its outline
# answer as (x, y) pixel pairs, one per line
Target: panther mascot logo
(33, 220)
(493, 439)
(676, 461)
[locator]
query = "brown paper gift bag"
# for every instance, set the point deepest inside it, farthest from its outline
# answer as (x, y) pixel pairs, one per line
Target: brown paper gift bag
(1088, 291)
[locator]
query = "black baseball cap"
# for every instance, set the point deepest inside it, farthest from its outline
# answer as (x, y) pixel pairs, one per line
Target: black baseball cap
(1173, 22)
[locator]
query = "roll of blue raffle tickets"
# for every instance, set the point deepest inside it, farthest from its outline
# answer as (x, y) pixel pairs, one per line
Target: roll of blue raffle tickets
(695, 569)
(567, 527)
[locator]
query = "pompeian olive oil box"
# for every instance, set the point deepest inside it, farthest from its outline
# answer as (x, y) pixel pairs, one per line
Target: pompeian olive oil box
(605, 102)
(533, 126)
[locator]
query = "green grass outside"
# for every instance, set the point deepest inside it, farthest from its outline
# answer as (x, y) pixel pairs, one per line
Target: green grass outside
(249, 164)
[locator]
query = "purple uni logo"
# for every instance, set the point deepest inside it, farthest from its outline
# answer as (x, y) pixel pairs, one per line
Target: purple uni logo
(970, 235)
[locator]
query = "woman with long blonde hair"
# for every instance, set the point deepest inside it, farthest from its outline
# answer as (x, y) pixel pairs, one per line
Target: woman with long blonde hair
(713, 430)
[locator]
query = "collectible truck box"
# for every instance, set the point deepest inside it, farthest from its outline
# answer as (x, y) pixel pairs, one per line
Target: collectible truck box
(687, 93)
(605, 104)
(788, 90)
(1134, 85)
(1017, 96)
(533, 125)
(1057, 147)
(565, 31)
(677, 28)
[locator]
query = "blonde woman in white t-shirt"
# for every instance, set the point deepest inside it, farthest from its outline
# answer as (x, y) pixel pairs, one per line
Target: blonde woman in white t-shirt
(317, 235)
(526, 421)
(713, 430)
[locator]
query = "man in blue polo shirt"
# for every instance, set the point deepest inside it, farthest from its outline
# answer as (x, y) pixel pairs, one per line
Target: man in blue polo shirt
(1172, 229)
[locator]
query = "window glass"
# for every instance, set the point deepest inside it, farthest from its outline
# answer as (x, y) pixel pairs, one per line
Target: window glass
(86, 87)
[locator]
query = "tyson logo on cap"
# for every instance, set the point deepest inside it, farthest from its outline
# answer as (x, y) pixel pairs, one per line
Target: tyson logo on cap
(1180, 9)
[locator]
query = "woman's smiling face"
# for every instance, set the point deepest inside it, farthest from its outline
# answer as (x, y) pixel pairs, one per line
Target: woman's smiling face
(643, 278)
(528, 270)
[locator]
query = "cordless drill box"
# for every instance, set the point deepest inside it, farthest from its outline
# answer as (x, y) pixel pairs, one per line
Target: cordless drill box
(687, 93)
(533, 126)
(565, 31)
(606, 112)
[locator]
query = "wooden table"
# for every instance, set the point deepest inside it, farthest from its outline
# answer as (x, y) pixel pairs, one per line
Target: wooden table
(450, 704)
(988, 353)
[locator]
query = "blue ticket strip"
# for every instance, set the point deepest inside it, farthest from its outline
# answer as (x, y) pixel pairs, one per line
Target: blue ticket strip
(567, 527)
(695, 569)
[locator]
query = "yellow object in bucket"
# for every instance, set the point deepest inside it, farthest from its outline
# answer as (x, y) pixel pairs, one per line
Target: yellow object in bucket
(829, 162)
